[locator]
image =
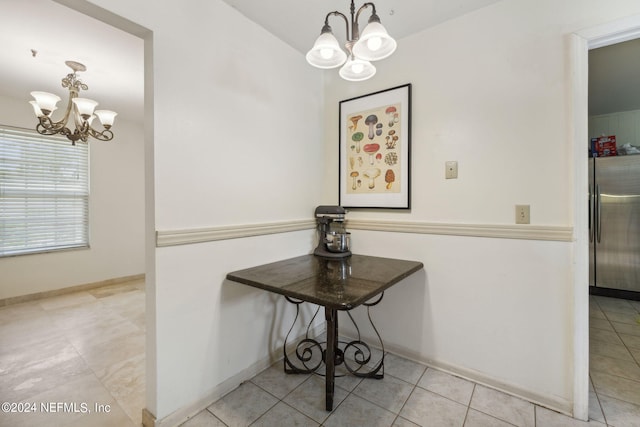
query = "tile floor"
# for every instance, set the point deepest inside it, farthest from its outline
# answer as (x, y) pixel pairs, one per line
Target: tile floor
(88, 348)
(67, 354)
(411, 394)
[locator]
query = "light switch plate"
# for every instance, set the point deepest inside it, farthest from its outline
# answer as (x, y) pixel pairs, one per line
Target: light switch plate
(523, 214)
(451, 170)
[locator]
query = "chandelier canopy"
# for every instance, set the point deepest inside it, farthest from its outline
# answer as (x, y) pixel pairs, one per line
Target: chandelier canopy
(372, 45)
(80, 109)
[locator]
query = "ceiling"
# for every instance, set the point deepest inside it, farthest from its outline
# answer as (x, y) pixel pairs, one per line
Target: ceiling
(114, 59)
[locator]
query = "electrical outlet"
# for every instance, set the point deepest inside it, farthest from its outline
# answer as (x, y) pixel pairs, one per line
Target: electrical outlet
(522, 214)
(451, 170)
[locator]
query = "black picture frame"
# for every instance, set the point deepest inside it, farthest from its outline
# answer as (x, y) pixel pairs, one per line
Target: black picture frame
(375, 150)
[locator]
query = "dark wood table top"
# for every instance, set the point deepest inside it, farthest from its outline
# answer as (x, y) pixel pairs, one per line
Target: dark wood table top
(340, 284)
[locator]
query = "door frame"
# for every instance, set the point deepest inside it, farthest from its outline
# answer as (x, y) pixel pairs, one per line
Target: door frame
(580, 43)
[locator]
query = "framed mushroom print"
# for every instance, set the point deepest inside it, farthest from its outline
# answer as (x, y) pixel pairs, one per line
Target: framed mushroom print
(375, 139)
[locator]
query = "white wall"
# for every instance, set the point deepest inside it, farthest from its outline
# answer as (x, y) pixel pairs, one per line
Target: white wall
(492, 90)
(116, 216)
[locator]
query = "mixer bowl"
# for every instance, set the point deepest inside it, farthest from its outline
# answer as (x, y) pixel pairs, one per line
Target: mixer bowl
(338, 242)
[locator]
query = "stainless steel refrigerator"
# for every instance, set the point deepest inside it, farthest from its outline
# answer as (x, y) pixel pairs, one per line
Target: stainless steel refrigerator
(614, 226)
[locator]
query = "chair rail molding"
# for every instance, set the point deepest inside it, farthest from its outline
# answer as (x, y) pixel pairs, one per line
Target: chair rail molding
(166, 238)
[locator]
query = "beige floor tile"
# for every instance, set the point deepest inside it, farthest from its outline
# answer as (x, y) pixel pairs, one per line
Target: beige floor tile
(389, 393)
(595, 410)
(203, 419)
(406, 370)
(617, 367)
(604, 337)
(277, 382)
(619, 413)
(627, 328)
(243, 406)
(595, 312)
(285, 416)
(600, 323)
(401, 422)
(616, 387)
(548, 418)
(357, 412)
(427, 408)
(631, 341)
(447, 385)
(125, 380)
(617, 351)
(309, 398)
(630, 318)
(479, 419)
(50, 374)
(503, 406)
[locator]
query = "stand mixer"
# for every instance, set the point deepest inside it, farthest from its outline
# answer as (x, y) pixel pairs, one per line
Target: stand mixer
(333, 239)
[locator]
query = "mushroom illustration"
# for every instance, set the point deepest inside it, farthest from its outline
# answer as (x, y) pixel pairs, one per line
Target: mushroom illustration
(354, 120)
(354, 175)
(389, 177)
(372, 174)
(357, 137)
(390, 111)
(378, 157)
(371, 121)
(371, 149)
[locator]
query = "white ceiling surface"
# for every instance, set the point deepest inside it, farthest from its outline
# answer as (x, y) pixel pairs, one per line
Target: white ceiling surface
(114, 59)
(298, 22)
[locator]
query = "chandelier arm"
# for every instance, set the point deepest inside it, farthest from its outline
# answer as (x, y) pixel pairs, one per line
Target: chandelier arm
(342, 15)
(355, 25)
(49, 126)
(105, 135)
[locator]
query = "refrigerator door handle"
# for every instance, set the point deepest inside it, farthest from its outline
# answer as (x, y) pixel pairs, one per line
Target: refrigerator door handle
(598, 216)
(591, 219)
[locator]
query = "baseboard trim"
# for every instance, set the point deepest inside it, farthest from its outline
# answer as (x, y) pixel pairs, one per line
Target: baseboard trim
(185, 413)
(57, 292)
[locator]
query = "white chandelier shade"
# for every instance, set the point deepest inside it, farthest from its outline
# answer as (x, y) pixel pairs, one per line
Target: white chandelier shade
(356, 70)
(326, 52)
(45, 103)
(373, 44)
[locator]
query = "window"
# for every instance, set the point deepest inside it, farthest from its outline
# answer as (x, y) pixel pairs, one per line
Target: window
(44, 193)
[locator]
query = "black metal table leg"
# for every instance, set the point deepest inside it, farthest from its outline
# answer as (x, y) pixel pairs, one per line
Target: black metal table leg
(331, 316)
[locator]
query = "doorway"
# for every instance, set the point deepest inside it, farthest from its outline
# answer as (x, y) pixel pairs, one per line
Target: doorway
(581, 43)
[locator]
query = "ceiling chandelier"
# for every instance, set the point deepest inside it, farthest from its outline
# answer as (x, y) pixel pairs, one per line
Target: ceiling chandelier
(81, 109)
(372, 45)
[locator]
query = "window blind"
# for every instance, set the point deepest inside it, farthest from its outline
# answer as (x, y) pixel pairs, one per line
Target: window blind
(44, 193)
